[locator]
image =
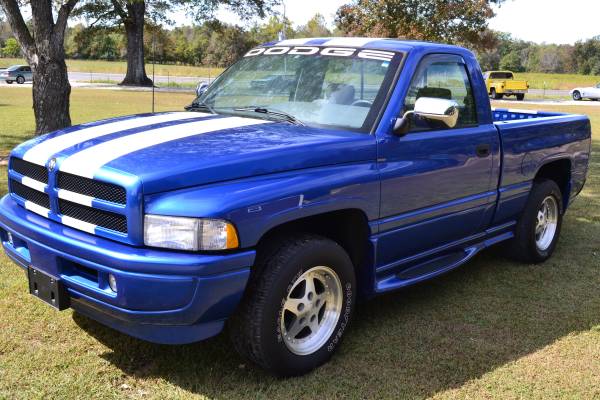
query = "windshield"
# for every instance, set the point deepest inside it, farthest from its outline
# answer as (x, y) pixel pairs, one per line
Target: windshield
(502, 75)
(318, 86)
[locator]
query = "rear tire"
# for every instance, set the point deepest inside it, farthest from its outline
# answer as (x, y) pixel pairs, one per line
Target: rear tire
(20, 80)
(495, 95)
(520, 97)
(538, 229)
(576, 95)
(297, 306)
(9, 82)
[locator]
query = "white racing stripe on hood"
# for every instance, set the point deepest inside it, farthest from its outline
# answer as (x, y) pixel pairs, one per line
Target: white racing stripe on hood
(40, 153)
(88, 161)
(348, 41)
(293, 42)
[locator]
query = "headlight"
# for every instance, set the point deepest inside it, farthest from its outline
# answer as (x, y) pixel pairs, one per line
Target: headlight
(189, 233)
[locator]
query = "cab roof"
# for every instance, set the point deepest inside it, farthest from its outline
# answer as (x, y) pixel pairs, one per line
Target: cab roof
(363, 42)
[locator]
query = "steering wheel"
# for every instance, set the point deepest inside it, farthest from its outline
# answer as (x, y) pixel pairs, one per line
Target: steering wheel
(362, 103)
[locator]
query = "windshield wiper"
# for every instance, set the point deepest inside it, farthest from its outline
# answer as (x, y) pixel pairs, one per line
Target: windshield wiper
(200, 106)
(261, 110)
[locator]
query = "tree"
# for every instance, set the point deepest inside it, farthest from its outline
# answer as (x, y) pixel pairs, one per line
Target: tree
(269, 31)
(11, 48)
(42, 45)
(450, 21)
(132, 15)
(511, 62)
(315, 27)
(227, 45)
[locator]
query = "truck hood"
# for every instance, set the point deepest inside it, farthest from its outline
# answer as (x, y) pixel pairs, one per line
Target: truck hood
(169, 151)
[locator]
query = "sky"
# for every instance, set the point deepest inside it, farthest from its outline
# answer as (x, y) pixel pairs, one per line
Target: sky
(550, 21)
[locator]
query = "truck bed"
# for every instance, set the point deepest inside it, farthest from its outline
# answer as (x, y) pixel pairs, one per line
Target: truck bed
(507, 114)
(529, 139)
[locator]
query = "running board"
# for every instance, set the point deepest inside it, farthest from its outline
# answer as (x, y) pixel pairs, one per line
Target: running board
(436, 266)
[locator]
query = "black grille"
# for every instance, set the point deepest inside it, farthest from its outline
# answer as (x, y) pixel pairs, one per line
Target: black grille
(29, 170)
(92, 188)
(105, 219)
(93, 216)
(39, 198)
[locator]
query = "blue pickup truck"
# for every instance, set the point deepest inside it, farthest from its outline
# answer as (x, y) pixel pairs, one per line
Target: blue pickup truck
(272, 211)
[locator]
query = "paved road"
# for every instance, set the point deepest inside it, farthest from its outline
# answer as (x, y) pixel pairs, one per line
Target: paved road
(549, 92)
(159, 79)
(104, 77)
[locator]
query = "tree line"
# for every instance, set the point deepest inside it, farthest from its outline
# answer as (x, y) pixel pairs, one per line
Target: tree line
(521, 56)
(211, 43)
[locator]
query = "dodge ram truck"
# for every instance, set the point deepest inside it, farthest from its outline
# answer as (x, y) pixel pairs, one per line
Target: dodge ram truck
(382, 165)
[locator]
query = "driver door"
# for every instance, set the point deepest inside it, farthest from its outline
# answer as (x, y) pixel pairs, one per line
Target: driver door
(436, 182)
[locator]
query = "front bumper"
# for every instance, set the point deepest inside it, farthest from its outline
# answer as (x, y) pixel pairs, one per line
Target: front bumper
(162, 296)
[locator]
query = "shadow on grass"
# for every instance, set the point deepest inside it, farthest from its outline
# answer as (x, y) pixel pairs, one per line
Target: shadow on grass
(417, 342)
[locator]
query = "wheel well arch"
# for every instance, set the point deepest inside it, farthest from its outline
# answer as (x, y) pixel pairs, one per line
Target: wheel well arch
(347, 227)
(560, 172)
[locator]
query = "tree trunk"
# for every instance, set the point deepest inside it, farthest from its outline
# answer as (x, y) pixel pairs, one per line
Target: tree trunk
(43, 47)
(134, 28)
(51, 92)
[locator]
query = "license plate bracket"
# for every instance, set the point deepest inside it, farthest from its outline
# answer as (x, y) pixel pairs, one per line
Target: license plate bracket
(48, 289)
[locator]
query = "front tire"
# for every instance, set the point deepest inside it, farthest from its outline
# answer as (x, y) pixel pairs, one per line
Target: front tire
(495, 95)
(576, 95)
(20, 80)
(297, 306)
(539, 227)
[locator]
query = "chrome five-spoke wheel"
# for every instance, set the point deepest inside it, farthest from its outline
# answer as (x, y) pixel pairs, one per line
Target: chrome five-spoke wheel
(311, 310)
(546, 224)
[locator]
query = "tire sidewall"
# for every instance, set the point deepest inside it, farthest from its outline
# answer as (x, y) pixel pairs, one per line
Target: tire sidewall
(322, 253)
(543, 190)
(20, 80)
(576, 96)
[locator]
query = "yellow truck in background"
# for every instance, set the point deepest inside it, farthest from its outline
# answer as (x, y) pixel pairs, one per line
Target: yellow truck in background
(503, 83)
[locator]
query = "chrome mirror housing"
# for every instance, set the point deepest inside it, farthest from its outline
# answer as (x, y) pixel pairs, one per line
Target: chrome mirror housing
(201, 88)
(429, 108)
(436, 109)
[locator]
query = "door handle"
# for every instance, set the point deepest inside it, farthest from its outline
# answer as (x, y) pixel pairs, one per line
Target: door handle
(483, 150)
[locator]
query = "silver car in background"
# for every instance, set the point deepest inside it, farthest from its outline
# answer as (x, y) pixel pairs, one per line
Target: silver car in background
(17, 73)
(592, 93)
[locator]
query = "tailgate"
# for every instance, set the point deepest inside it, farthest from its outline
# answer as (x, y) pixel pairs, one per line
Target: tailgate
(515, 85)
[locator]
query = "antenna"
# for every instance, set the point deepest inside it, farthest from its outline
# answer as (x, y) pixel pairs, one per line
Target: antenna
(153, 62)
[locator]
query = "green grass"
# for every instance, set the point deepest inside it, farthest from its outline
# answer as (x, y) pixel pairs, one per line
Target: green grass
(120, 67)
(558, 81)
(492, 329)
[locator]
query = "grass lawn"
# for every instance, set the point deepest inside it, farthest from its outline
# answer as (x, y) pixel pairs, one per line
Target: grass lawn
(558, 81)
(120, 67)
(492, 329)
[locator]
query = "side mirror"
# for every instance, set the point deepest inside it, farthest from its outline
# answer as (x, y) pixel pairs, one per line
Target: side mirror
(201, 88)
(432, 109)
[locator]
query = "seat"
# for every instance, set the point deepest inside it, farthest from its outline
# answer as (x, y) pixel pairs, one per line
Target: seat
(342, 94)
(438, 93)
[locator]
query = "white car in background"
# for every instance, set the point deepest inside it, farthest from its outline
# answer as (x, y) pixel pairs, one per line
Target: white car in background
(592, 92)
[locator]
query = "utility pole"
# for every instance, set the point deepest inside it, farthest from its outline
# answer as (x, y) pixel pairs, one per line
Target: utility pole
(281, 35)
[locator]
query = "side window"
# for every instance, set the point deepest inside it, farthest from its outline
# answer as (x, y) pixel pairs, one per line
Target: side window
(445, 78)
